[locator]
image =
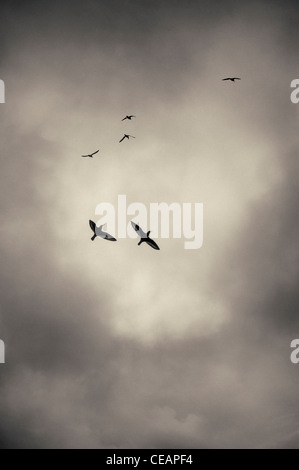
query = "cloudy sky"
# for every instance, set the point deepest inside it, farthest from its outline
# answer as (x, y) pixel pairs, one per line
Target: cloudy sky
(111, 345)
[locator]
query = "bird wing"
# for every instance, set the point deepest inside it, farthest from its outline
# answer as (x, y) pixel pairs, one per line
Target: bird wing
(226, 79)
(151, 243)
(84, 155)
(109, 237)
(92, 226)
(139, 230)
(121, 139)
(124, 118)
(95, 152)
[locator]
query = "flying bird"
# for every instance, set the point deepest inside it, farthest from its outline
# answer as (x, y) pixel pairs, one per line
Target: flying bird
(232, 79)
(128, 117)
(126, 136)
(90, 155)
(98, 232)
(144, 237)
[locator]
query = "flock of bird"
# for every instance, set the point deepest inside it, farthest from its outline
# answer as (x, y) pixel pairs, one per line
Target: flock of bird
(144, 237)
(99, 232)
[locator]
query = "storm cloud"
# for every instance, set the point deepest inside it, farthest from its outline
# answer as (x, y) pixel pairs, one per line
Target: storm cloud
(119, 346)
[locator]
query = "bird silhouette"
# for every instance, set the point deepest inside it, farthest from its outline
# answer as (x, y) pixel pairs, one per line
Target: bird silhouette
(144, 237)
(98, 232)
(90, 155)
(232, 79)
(128, 117)
(126, 136)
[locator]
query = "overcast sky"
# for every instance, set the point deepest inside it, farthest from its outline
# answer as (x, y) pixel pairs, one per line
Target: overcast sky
(111, 345)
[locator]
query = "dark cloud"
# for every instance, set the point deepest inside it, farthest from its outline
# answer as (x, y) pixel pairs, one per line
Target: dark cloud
(110, 346)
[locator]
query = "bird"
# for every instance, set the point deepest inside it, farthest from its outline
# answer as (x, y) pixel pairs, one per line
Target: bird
(90, 154)
(98, 232)
(126, 136)
(232, 79)
(144, 237)
(128, 117)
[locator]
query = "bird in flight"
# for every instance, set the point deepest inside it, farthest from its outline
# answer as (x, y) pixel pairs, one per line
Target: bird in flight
(128, 117)
(232, 79)
(90, 155)
(126, 136)
(98, 232)
(144, 237)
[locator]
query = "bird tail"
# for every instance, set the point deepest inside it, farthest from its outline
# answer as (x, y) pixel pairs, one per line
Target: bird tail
(93, 237)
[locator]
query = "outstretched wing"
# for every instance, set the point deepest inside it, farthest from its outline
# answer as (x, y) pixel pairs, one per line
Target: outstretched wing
(95, 152)
(125, 118)
(226, 79)
(139, 230)
(109, 237)
(84, 155)
(92, 226)
(151, 243)
(122, 139)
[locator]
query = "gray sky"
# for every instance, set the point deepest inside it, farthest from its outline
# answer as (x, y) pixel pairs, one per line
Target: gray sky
(118, 346)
